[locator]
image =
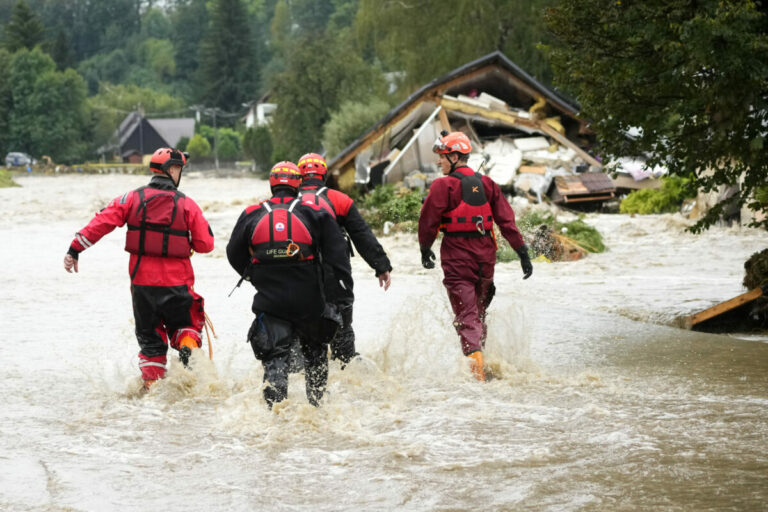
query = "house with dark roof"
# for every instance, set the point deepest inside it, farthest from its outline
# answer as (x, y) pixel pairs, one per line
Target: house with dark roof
(488, 99)
(139, 135)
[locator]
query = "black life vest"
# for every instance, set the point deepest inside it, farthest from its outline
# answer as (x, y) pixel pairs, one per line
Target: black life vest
(281, 235)
(473, 216)
(157, 225)
(318, 197)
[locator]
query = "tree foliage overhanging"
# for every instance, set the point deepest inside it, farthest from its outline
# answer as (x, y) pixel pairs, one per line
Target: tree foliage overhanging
(688, 78)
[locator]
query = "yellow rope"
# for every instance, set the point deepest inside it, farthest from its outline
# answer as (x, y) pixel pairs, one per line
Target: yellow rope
(208, 323)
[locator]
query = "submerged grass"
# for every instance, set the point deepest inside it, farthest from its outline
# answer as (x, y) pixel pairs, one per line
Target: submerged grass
(401, 207)
(6, 180)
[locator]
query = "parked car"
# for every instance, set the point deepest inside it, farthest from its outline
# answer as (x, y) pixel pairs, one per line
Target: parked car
(17, 159)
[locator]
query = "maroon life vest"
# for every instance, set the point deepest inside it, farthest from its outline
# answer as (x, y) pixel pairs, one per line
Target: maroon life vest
(318, 197)
(281, 235)
(473, 216)
(157, 225)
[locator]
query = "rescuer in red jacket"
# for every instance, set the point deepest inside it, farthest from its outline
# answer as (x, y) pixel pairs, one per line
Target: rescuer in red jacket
(342, 208)
(277, 245)
(164, 228)
(464, 205)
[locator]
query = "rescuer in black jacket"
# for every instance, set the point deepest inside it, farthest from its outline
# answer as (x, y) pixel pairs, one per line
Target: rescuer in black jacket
(278, 246)
(343, 209)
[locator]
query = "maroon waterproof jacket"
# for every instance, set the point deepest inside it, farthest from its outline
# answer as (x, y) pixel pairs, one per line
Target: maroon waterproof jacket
(152, 270)
(445, 195)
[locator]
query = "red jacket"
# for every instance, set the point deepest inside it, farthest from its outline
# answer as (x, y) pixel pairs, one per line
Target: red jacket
(152, 270)
(445, 195)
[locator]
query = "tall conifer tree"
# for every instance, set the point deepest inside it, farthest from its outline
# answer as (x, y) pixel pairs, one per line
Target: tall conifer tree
(228, 71)
(24, 30)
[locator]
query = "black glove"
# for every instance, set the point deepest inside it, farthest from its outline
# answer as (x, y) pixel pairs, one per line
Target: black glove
(525, 261)
(427, 258)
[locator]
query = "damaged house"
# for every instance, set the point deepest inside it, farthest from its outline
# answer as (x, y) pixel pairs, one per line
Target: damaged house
(525, 136)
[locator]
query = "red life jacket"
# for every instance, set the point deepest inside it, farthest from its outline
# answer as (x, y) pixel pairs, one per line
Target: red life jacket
(318, 198)
(157, 225)
(281, 235)
(473, 216)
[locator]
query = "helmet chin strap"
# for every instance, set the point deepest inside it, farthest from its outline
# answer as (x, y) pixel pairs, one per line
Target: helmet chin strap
(453, 164)
(175, 182)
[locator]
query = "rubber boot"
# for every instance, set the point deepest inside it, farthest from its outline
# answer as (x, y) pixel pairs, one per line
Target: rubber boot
(186, 345)
(476, 365)
(148, 384)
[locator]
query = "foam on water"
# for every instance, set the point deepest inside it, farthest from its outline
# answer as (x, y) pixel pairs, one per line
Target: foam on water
(589, 408)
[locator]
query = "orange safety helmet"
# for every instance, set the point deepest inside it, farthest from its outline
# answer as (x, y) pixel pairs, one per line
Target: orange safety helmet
(454, 142)
(164, 158)
(285, 174)
(312, 163)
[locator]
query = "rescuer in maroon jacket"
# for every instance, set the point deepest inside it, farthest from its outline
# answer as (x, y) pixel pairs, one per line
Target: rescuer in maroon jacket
(464, 205)
(342, 208)
(277, 245)
(164, 228)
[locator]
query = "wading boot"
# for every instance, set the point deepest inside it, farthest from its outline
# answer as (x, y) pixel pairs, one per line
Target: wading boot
(186, 345)
(148, 384)
(476, 365)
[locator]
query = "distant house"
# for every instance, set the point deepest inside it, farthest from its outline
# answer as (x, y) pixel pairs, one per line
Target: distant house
(138, 135)
(260, 112)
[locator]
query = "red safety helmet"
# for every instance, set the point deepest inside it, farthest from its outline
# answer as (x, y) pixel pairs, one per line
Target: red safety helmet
(312, 163)
(454, 142)
(285, 174)
(164, 158)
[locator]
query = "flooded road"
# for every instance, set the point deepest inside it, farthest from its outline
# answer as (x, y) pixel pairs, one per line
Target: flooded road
(597, 402)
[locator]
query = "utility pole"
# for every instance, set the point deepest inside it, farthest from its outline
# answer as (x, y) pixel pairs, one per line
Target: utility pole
(140, 109)
(215, 139)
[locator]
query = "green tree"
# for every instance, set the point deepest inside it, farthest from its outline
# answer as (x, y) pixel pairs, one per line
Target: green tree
(689, 77)
(227, 65)
(158, 55)
(60, 122)
(24, 30)
(61, 51)
(428, 38)
(189, 19)
(351, 121)
(49, 114)
(6, 101)
(198, 147)
(321, 72)
(257, 144)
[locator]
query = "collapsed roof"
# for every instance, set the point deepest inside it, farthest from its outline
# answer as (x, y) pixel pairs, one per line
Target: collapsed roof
(486, 98)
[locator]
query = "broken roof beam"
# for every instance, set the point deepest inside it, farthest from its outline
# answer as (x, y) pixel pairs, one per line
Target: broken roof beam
(512, 118)
(427, 122)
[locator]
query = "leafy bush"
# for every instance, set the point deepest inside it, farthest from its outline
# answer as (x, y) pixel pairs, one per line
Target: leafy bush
(230, 144)
(666, 199)
(387, 204)
(198, 147)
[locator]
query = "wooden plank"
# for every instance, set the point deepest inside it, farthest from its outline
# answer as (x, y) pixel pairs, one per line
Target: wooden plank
(581, 199)
(444, 120)
(721, 308)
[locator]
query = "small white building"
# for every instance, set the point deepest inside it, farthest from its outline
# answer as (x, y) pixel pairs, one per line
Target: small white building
(260, 112)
